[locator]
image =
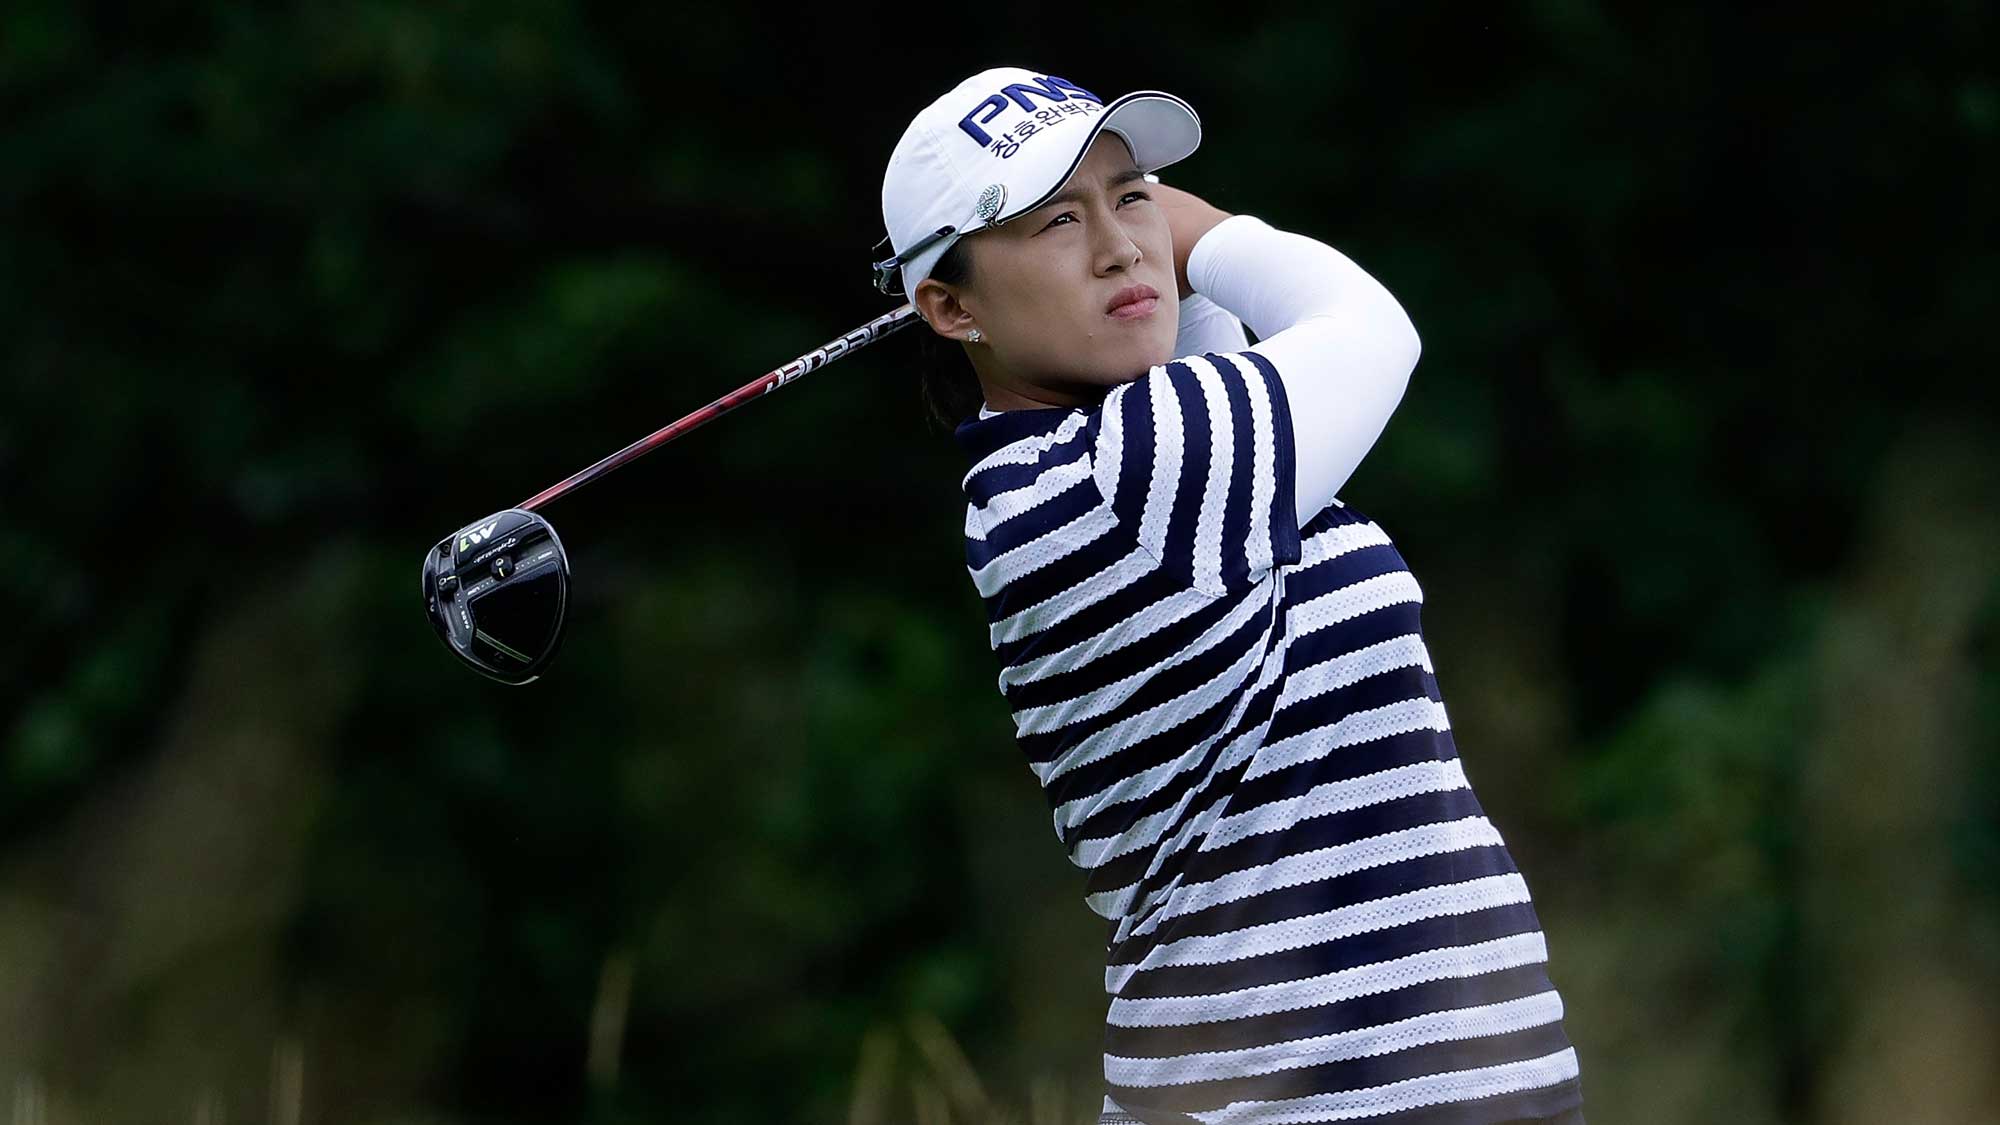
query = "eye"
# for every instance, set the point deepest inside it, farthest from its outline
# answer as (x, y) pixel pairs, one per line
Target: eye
(1122, 201)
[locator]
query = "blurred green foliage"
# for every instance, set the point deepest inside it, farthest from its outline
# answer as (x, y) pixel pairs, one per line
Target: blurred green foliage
(1698, 472)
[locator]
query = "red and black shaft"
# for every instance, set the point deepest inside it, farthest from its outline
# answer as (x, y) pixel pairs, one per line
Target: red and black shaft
(756, 388)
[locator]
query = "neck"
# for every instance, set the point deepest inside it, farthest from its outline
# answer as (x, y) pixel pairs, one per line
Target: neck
(1004, 392)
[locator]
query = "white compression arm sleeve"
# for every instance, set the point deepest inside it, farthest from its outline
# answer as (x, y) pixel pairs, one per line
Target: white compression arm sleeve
(1342, 346)
(1208, 327)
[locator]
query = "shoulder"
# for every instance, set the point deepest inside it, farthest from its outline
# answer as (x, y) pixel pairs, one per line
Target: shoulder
(1205, 382)
(1185, 414)
(1195, 458)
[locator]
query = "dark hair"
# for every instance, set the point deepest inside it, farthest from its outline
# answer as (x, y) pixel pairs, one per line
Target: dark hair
(950, 389)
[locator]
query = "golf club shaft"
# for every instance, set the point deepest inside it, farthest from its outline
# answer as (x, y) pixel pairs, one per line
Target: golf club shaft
(756, 388)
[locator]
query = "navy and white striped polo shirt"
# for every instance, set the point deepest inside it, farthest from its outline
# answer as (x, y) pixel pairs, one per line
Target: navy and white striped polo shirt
(1236, 724)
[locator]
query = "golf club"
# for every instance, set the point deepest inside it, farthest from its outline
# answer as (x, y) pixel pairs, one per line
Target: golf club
(496, 590)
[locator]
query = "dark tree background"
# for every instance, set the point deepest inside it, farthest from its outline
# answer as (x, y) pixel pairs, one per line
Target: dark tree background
(1698, 472)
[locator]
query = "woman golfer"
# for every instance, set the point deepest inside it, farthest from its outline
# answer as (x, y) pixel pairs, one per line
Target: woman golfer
(1216, 668)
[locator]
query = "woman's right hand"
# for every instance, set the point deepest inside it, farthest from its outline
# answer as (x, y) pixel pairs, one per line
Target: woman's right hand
(1188, 218)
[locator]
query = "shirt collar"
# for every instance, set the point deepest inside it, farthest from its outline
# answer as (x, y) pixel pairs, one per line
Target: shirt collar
(982, 433)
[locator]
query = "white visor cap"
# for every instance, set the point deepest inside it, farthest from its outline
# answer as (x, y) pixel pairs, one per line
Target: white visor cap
(999, 145)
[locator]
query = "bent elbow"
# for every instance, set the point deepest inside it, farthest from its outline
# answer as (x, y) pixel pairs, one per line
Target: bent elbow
(1408, 343)
(1402, 342)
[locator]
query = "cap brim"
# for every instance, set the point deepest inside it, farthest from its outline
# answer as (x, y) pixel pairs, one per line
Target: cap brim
(1158, 127)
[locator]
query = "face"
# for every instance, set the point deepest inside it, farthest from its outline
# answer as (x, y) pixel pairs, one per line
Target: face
(1042, 286)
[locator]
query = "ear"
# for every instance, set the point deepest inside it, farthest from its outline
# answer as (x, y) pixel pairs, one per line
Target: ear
(941, 309)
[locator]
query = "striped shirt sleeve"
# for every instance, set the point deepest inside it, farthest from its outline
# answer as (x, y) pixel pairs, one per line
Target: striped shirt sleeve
(1195, 458)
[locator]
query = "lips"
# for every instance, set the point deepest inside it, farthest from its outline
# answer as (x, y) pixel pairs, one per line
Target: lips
(1132, 301)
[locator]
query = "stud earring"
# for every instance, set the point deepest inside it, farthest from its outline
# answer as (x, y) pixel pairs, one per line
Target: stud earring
(974, 336)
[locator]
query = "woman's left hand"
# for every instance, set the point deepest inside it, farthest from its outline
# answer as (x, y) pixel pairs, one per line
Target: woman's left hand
(1188, 218)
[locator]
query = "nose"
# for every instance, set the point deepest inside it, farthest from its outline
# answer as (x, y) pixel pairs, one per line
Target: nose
(1116, 251)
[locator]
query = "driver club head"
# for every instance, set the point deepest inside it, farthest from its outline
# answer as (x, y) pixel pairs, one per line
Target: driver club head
(496, 592)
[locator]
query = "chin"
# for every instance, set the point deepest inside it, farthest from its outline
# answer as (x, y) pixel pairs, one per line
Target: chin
(1133, 366)
(1128, 363)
